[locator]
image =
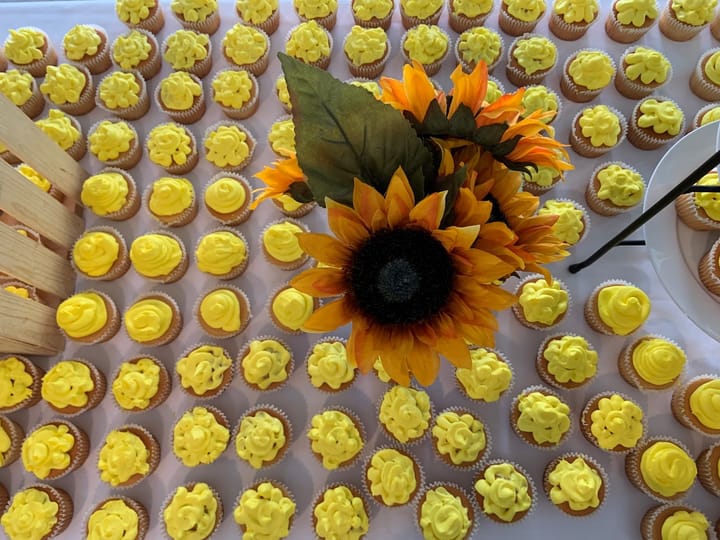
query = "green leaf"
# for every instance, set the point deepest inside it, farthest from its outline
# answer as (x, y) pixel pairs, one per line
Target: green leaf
(451, 184)
(505, 147)
(462, 123)
(343, 132)
(435, 123)
(490, 135)
(300, 191)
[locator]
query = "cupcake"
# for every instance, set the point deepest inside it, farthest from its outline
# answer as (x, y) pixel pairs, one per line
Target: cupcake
(392, 477)
(694, 404)
(651, 363)
(617, 308)
(118, 515)
(262, 436)
(137, 50)
(328, 366)
(66, 131)
(38, 510)
(405, 414)
(661, 468)
(336, 438)
(540, 418)
(464, 15)
(72, 387)
(674, 517)
(443, 510)
(373, 13)
(236, 92)
(265, 363)
(682, 20)
(570, 19)
(597, 130)
(518, 17)
(153, 319)
(460, 439)
(128, 455)
(282, 94)
(147, 15)
(172, 147)
(123, 94)
(539, 98)
(40, 181)
(20, 88)
(705, 78)
(227, 198)
(614, 188)
(223, 312)
(705, 115)
(700, 211)
(655, 122)
(629, 20)
(30, 49)
(23, 379)
(478, 44)
(269, 498)
(262, 15)
(505, 493)
(324, 12)
(292, 208)
(576, 484)
(573, 221)
(115, 143)
(566, 361)
(11, 437)
(612, 422)
(541, 180)
(642, 71)
(280, 244)
(414, 13)
(88, 317)
(171, 201)
(248, 48)
(88, 45)
(54, 449)
(428, 45)
(281, 136)
(19, 288)
(530, 59)
(708, 464)
(222, 253)
(159, 256)
(187, 50)
(140, 384)
(340, 512)
(541, 305)
(290, 308)
(586, 74)
(193, 510)
(709, 269)
(366, 51)
(489, 377)
(205, 371)
(180, 96)
(200, 436)
(310, 43)
(229, 145)
(198, 15)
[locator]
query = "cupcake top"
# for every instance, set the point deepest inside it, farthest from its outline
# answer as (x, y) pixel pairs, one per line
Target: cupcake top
(543, 416)
(81, 41)
(421, 9)
(154, 254)
(193, 10)
(443, 514)
(570, 359)
(570, 225)
(224, 310)
(620, 185)
(254, 12)
(575, 483)
(82, 314)
(281, 243)
(667, 469)
(340, 514)
(60, 128)
(540, 98)
(67, 384)
(203, 369)
(179, 91)
(136, 384)
(198, 437)
(261, 437)
(25, 45)
(645, 65)
(265, 511)
(711, 67)
(479, 43)
(219, 252)
(16, 382)
(662, 116)
(315, 9)
(505, 492)
(266, 362)
(635, 12)
(63, 84)
(281, 90)
(328, 365)
(31, 514)
(703, 403)
(624, 308)
(292, 307)
(405, 413)
(365, 45)
(134, 11)
(487, 378)
(591, 69)
(709, 202)
(472, 8)
(692, 12)
(113, 516)
(110, 139)
(119, 90)
(334, 437)
(371, 86)
(185, 48)
(679, 522)
(192, 511)
(601, 125)
(131, 49)
(170, 196)
(245, 44)
(169, 144)
(35, 177)
(18, 290)
(282, 137)
(425, 43)
(366, 10)
(226, 195)
(392, 477)
(149, 319)
(459, 436)
(657, 360)
(17, 86)
(308, 42)
(123, 455)
(543, 177)
(710, 115)
(534, 53)
(543, 302)
(525, 10)
(576, 11)
(47, 449)
(616, 422)
(494, 91)
(233, 88)
(228, 146)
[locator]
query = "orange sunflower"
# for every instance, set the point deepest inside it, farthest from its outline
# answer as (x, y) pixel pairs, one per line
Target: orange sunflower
(411, 290)
(278, 178)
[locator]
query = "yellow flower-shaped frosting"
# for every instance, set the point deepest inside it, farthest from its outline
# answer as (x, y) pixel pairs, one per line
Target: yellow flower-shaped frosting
(131, 49)
(82, 314)
(591, 69)
(119, 90)
(265, 363)
(198, 437)
(545, 417)
(227, 146)
(543, 302)
(171, 196)
(194, 10)
(265, 512)
(667, 469)
(80, 41)
(694, 12)
(35, 177)
(179, 90)
(281, 243)
(148, 319)
(575, 483)
(623, 308)
(472, 8)
(443, 515)
(705, 404)
(328, 365)
(59, 128)
(288, 203)
(391, 476)
(155, 255)
(16, 86)
(185, 48)
(647, 66)
(601, 125)
(535, 54)
(308, 42)
(709, 202)
(105, 193)
(232, 88)
(244, 44)
(169, 144)
(114, 519)
(576, 11)
(525, 10)
(543, 176)
(682, 525)
(660, 116)
(425, 43)
(459, 436)
(260, 437)
(636, 12)
(616, 422)
(225, 195)
(371, 9)
(571, 220)
(134, 11)
(620, 185)
(25, 45)
(365, 45)
(22, 292)
(111, 139)
(219, 252)
(47, 449)
(136, 384)
(487, 378)
(191, 513)
(340, 514)
(30, 516)
(67, 384)
(316, 9)
(479, 44)
(15, 382)
(334, 436)
(220, 309)
(292, 307)
(5, 444)
(256, 11)
(203, 368)
(122, 456)
(658, 361)
(405, 412)
(539, 98)
(505, 491)
(570, 359)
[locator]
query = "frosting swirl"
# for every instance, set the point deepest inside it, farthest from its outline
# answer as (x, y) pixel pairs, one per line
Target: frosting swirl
(705, 404)
(570, 359)
(220, 309)
(105, 193)
(203, 369)
(709, 202)
(571, 220)
(198, 437)
(459, 436)
(169, 144)
(340, 514)
(535, 54)
(82, 315)
(592, 69)
(154, 255)
(505, 491)
(281, 242)
(365, 45)
(220, 252)
(15, 382)
(17, 86)
(684, 525)
(543, 302)
(488, 377)
(47, 449)
(184, 48)
(179, 91)
(233, 88)
(25, 45)
(60, 128)
(328, 365)
(425, 43)
(657, 360)
(264, 512)
(405, 412)
(391, 477)
(256, 11)
(601, 125)
(81, 41)
(335, 437)
(660, 116)
(576, 11)
(308, 42)
(226, 195)
(148, 319)
(667, 469)
(63, 84)
(647, 66)
(545, 417)
(67, 384)
(443, 516)
(525, 10)
(110, 139)
(292, 307)
(32, 514)
(194, 10)
(192, 513)
(635, 12)
(227, 146)
(136, 384)
(134, 11)
(616, 422)
(693, 12)
(244, 44)
(114, 520)
(265, 363)
(623, 308)
(122, 456)
(620, 185)
(576, 484)
(119, 90)
(95, 253)
(131, 49)
(260, 438)
(171, 196)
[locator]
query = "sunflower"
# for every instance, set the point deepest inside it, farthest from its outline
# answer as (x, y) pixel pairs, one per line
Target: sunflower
(278, 178)
(411, 290)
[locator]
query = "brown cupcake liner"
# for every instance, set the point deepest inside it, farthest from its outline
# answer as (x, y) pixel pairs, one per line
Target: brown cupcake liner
(325, 387)
(602, 206)
(715, 28)
(125, 160)
(692, 215)
(513, 26)
(276, 323)
(62, 499)
(708, 269)
(149, 67)
(591, 309)
(374, 22)
(518, 310)
(275, 412)
(674, 29)
(175, 220)
(482, 456)
(236, 217)
(186, 116)
(582, 144)
(249, 108)
(501, 357)
(259, 66)
(141, 512)
(394, 439)
(575, 92)
(679, 405)
(433, 68)
(322, 62)
(177, 272)
(153, 448)
(32, 291)
(586, 422)
(211, 393)
(164, 385)
(35, 104)
(37, 374)
(219, 333)
(622, 33)
(528, 437)
(208, 26)
(469, 503)
(632, 469)
(153, 23)
(37, 68)
(516, 74)
(372, 70)
(283, 265)
(327, 22)
(235, 271)
(86, 100)
(319, 496)
(701, 86)
(219, 511)
(417, 467)
(603, 492)
(110, 328)
(78, 453)
(176, 323)
(289, 367)
(707, 465)
(269, 25)
(250, 141)
(94, 396)
(345, 465)
(568, 31)
(636, 89)
(631, 376)
(16, 434)
(201, 67)
(276, 484)
(541, 365)
(468, 67)
(220, 418)
(532, 491)
(128, 113)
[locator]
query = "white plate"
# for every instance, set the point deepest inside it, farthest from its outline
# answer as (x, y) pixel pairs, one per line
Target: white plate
(675, 249)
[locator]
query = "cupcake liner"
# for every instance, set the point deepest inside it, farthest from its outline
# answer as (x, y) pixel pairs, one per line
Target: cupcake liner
(37, 374)
(322, 62)
(164, 385)
(532, 490)
(621, 33)
(325, 387)
(100, 61)
(201, 67)
(211, 393)
(127, 113)
(86, 99)
(125, 160)
(319, 496)
(636, 89)
(219, 333)
(680, 401)
(647, 139)
(176, 323)
(276, 484)
(410, 21)
(110, 328)
(468, 67)
(250, 141)
(302, 211)
(520, 315)
(568, 31)
(591, 310)
(32, 291)
(707, 465)
(94, 396)
(628, 373)
(276, 323)
(141, 512)
(269, 25)
(153, 448)
(249, 108)
(701, 86)
(177, 272)
(374, 22)
(575, 92)
(526, 437)
(149, 67)
(586, 422)
(327, 22)
(78, 453)
(153, 23)
(459, 23)
(220, 418)
(37, 68)
(673, 28)
(358, 425)
(632, 468)
(515, 73)
(121, 264)
(715, 27)
(484, 454)
(186, 116)
(513, 26)
(242, 214)
(235, 271)
(65, 506)
(692, 216)
(648, 525)
(275, 412)
(500, 356)
(260, 65)
(371, 70)
(209, 25)
(78, 149)
(219, 511)
(16, 434)
(603, 492)
(433, 68)
(192, 158)
(289, 367)
(283, 265)
(541, 364)
(394, 440)
(418, 469)
(708, 270)
(174, 220)
(469, 504)
(35, 104)
(602, 206)
(582, 144)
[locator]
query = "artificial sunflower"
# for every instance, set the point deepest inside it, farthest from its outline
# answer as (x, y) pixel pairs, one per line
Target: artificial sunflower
(279, 179)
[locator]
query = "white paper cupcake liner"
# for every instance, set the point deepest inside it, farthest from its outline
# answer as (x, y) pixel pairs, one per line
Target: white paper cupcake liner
(209, 25)
(594, 464)
(584, 147)
(387, 431)
(374, 22)
(586, 423)
(673, 28)
(35, 104)
(327, 21)
(532, 490)
(710, 277)
(289, 367)
(235, 271)
(410, 21)
(568, 31)
(622, 33)
(520, 315)
(358, 425)
(31, 291)
(707, 470)
(700, 84)
(526, 436)
(418, 469)
(513, 26)
(210, 393)
(274, 411)
(16, 434)
(154, 22)
(269, 25)
(484, 454)
(242, 299)
(469, 503)
(460, 23)
(176, 324)
(697, 119)
(546, 376)
(628, 373)
(249, 108)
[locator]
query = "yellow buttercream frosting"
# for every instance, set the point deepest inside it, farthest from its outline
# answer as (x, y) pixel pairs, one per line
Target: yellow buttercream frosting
(571, 220)
(82, 314)
(220, 309)
(228, 146)
(405, 412)
(600, 125)
(105, 193)
(539, 98)
(47, 449)
(646, 66)
(169, 144)
(365, 45)
(58, 126)
(660, 116)
(25, 45)
(282, 137)
(658, 361)
(620, 185)
(591, 69)
(198, 437)
(340, 514)
(328, 365)
(623, 308)
(256, 11)
(505, 491)
(179, 91)
(219, 252)
(194, 10)
(282, 93)
(709, 202)
(136, 384)
(17, 86)
(308, 42)
(292, 307)
(487, 378)
(335, 438)
(635, 12)
(148, 319)
(705, 404)
(479, 44)
(493, 91)
(244, 44)
(543, 302)
(119, 90)
(203, 368)
(444, 516)
(545, 417)
(576, 11)
(260, 438)
(122, 456)
(171, 196)
(22, 292)
(131, 49)
(694, 12)
(15, 382)
(35, 177)
(570, 359)
(226, 195)
(712, 115)
(685, 525)
(575, 483)
(459, 436)
(315, 9)
(191, 513)
(472, 8)
(391, 476)
(543, 176)
(525, 10)
(264, 512)
(184, 48)
(366, 10)
(81, 41)
(154, 255)
(281, 243)
(233, 88)
(30, 516)
(535, 54)
(115, 520)
(425, 44)
(667, 469)
(134, 11)
(616, 422)
(265, 363)
(110, 139)
(288, 203)
(67, 384)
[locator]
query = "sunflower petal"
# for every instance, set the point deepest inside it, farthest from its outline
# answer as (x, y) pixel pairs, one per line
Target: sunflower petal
(455, 350)
(324, 248)
(399, 199)
(329, 317)
(345, 223)
(419, 89)
(424, 363)
(320, 282)
(359, 345)
(469, 89)
(366, 202)
(429, 212)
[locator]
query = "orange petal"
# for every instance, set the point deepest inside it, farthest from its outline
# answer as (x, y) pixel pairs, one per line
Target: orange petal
(345, 223)
(324, 248)
(456, 351)
(457, 237)
(420, 90)
(320, 282)
(329, 317)
(429, 212)
(367, 202)
(468, 89)
(359, 345)
(399, 199)
(424, 363)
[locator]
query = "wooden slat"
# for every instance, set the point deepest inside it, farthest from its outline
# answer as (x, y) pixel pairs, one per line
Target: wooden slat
(38, 266)
(28, 142)
(28, 327)
(36, 209)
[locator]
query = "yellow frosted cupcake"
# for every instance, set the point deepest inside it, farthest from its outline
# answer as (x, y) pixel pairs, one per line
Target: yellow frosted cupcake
(655, 122)
(541, 99)
(576, 484)
(222, 253)
(700, 211)
(280, 244)
(23, 383)
(54, 449)
(426, 44)
(392, 477)
(530, 59)
(262, 436)
(65, 131)
(265, 498)
(87, 44)
(137, 50)
(153, 319)
(20, 88)
(323, 12)
(123, 94)
(227, 198)
(236, 92)
(72, 387)
(617, 308)
(614, 187)
(200, 436)
(416, 12)
(115, 143)
(570, 19)
(292, 208)
(597, 130)
(88, 317)
(140, 384)
(466, 14)
(695, 404)
(290, 308)
(311, 43)
(586, 74)
(566, 361)
(111, 194)
(336, 438)
(541, 304)
(445, 508)
(478, 44)
(373, 13)
(205, 371)
(518, 17)
(180, 95)
(121, 515)
(172, 147)
(342, 501)
(705, 78)
(128, 455)
(541, 180)
(248, 48)
(651, 363)
(30, 49)
(662, 468)
(405, 414)
(223, 312)
(460, 439)
(675, 517)
(145, 14)
(641, 72)
(229, 145)
(199, 15)
(366, 51)
(264, 15)
(328, 366)
(612, 422)
(265, 363)
(488, 378)
(187, 50)
(11, 437)
(37, 511)
(159, 256)
(171, 201)
(540, 418)
(282, 136)
(100, 253)
(629, 20)
(705, 115)
(194, 510)
(682, 20)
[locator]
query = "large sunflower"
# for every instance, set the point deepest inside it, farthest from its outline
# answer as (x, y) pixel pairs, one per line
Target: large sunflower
(411, 290)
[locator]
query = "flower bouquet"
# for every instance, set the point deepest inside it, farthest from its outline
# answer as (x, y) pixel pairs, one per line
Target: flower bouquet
(424, 200)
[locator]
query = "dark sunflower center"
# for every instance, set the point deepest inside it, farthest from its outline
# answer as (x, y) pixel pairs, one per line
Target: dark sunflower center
(401, 276)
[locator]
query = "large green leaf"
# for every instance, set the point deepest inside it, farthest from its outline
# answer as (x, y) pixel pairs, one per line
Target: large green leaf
(342, 132)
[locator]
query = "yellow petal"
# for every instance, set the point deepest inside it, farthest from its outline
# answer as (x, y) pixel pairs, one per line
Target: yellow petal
(320, 282)
(424, 363)
(429, 212)
(468, 89)
(324, 248)
(456, 351)
(419, 89)
(399, 199)
(367, 202)
(328, 317)
(345, 223)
